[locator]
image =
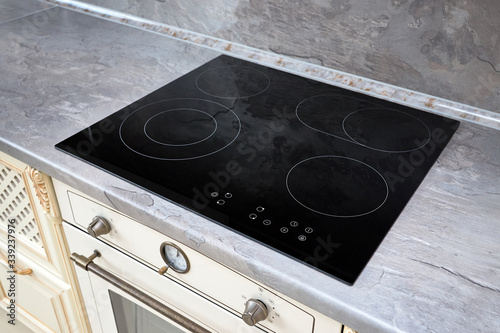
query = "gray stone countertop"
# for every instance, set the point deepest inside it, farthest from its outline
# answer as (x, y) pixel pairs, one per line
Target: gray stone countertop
(437, 270)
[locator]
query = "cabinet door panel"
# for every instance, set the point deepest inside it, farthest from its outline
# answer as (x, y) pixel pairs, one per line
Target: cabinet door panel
(29, 211)
(17, 211)
(38, 302)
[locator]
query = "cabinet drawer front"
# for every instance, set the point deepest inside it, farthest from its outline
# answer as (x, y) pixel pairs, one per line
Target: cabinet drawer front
(37, 301)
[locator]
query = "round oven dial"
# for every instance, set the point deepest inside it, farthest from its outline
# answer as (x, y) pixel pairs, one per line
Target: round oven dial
(174, 257)
(255, 311)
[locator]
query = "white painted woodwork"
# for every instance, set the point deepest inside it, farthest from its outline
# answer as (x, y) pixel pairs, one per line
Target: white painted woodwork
(36, 298)
(220, 284)
(48, 298)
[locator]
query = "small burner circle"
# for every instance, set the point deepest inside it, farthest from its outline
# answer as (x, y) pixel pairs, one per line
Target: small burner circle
(337, 186)
(232, 82)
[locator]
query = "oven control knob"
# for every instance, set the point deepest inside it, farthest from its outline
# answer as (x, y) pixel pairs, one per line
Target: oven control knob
(255, 311)
(99, 226)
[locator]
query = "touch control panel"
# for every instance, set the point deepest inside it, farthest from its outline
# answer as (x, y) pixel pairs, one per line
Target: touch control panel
(264, 219)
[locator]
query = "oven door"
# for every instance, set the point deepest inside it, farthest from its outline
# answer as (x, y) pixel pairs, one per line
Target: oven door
(122, 295)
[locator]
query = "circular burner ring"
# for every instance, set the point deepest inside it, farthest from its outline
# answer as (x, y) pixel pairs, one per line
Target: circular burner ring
(422, 128)
(371, 177)
(134, 136)
(235, 82)
(310, 105)
(179, 144)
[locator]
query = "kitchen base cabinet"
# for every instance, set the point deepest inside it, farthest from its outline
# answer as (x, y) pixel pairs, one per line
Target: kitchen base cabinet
(38, 286)
(194, 286)
(35, 301)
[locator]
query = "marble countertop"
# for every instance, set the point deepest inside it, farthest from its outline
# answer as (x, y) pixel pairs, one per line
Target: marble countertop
(437, 270)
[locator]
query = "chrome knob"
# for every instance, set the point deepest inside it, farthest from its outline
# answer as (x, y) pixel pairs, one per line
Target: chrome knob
(99, 226)
(255, 311)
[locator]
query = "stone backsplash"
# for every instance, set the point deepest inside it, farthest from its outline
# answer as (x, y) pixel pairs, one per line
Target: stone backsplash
(445, 48)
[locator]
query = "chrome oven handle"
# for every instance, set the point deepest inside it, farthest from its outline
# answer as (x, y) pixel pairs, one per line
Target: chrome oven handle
(88, 264)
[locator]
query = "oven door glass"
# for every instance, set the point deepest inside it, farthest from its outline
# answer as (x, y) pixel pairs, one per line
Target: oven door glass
(119, 312)
(133, 318)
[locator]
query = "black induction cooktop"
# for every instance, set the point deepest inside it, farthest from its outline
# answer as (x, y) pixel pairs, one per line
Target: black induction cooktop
(317, 172)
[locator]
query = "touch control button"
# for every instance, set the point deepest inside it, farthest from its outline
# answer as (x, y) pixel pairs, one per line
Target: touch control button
(309, 230)
(260, 209)
(220, 202)
(302, 238)
(214, 194)
(253, 216)
(284, 230)
(228, 195)
(294, 223)
(266, 222)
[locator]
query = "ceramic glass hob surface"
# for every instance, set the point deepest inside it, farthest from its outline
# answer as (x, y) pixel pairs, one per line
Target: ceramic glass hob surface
(314, 171)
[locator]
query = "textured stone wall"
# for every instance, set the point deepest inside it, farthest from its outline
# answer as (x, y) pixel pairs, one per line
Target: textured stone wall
(446, 48)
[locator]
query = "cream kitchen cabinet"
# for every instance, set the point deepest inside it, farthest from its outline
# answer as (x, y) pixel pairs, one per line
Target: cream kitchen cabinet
(38, 287)
(127, 257)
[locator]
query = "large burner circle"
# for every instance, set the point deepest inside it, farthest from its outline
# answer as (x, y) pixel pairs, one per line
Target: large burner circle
(386, 130)
(337, 186)
(232, 82)
(180, 129)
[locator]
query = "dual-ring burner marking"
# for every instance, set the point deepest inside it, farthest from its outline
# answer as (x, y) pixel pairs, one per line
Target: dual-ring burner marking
(371, 126)
(153, 121)
(162, 130)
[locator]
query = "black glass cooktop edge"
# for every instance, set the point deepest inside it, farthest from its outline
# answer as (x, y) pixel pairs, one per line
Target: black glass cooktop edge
(215, 216)
(312, 171)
